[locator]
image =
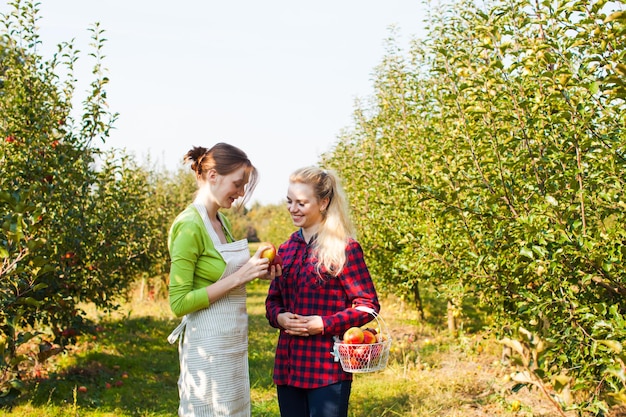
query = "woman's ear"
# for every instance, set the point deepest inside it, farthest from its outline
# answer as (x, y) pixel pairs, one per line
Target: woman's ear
(211, 175)
(324, 204)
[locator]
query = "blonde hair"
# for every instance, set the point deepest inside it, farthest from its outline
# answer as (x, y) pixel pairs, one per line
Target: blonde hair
(336, 227)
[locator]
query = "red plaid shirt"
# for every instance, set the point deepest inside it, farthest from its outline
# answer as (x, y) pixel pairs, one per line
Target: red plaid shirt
(307, 362)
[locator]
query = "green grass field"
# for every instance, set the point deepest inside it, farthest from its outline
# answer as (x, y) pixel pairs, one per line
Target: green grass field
(129, 369)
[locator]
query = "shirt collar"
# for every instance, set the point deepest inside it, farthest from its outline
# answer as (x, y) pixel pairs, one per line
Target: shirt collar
(301, 237)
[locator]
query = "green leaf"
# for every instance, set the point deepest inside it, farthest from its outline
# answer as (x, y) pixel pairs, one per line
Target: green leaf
(552, 201)
(30, 301)
(40, 286)
(5, 196)
(619, 15)
(614, 345)
(527, 252)
(518, 387)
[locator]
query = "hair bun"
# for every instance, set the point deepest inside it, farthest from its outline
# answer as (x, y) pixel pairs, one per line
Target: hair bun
(194, 156)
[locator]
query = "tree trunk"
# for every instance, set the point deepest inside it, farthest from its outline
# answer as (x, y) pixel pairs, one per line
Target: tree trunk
(452, 321)
(418, 302)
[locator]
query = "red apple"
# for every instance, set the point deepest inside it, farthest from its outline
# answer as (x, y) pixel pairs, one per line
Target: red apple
(371, 329)
(354, 363)
(369, 337)
(82, 388)
(375, 352)
(277, 260)
(353, 335)
(269, 253)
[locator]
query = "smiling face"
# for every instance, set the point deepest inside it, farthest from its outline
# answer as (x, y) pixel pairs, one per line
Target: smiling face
(223, 190)
(304, 207)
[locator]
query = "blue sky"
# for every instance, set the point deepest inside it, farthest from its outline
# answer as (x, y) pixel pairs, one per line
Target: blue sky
(278, 78)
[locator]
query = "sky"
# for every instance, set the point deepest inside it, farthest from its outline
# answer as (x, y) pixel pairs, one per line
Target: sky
(277, 78)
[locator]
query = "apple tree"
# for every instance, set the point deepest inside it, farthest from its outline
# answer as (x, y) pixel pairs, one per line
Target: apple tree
(489, 164)
(74, 224)
(272, 222)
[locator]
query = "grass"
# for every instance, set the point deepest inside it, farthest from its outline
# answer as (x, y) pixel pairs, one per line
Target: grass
(129, 369)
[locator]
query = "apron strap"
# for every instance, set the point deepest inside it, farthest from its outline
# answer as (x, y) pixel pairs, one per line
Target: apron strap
(173, 337)
(207, 223)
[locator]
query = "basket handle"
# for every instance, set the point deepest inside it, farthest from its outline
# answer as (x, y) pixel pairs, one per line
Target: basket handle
(377, 317)
(367, 310)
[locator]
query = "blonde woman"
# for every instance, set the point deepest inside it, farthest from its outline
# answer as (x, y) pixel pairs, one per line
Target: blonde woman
(324, 277)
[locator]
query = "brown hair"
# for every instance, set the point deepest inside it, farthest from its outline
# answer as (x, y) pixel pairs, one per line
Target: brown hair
(224, 159)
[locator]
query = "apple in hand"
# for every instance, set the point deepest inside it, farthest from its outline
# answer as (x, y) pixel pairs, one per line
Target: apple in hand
(277, 261)
(354, 335)
(271, 254)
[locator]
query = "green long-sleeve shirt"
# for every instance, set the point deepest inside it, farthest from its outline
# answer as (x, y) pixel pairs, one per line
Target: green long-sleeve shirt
(195, 262)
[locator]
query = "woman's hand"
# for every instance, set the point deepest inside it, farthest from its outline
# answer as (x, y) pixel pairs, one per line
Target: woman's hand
(297, 325)
(273, 270)
(258, 267)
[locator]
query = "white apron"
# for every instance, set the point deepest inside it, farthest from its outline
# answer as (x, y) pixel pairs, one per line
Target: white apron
(213, 346)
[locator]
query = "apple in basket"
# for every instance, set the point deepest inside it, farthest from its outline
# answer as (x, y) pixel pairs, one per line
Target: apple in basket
(369, 337)
(354, 362)
(354, 335)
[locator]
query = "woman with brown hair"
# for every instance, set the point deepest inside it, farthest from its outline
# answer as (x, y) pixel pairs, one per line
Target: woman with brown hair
(209, 271)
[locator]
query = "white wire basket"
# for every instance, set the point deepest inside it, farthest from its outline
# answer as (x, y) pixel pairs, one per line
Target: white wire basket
(370, 357)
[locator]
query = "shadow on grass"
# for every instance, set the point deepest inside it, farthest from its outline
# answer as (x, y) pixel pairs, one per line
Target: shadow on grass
(129, 368)
(261, 348)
